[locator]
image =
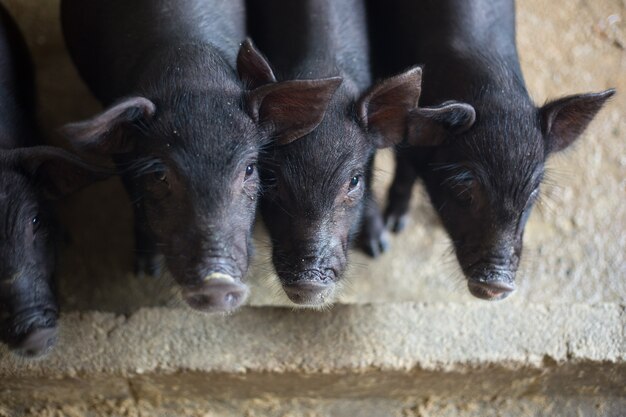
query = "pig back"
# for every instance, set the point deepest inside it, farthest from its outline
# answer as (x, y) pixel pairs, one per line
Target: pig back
(461, 44)
(405, 31)
(17, 92)
(112, 41)
(313, 38)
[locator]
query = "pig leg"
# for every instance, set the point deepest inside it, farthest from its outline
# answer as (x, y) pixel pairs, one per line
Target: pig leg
(147, 258)
(396, 214)
(374, 239)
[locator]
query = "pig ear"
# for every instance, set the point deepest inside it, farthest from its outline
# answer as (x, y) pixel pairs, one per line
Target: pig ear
(59, 172)
(383, 110)
(565, 119)
(291, 109)
(252, 67)
(99, 132)
(428, 126)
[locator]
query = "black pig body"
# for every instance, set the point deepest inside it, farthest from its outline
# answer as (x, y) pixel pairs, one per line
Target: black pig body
(480, 142)
(317, 195)
(185, 130)
(30, 176)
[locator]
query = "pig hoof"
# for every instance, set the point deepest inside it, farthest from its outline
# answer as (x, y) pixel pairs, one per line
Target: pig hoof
(376, 246)
(397, 223)
(148, 266)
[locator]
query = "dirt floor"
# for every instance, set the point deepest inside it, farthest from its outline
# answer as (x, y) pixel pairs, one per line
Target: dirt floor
(297, 407)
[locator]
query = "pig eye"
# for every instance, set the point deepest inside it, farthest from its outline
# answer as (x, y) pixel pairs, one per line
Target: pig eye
(35, 222)
(161, 176)
(354, 182)
(462, 178)
(463, 187)
(249, 170)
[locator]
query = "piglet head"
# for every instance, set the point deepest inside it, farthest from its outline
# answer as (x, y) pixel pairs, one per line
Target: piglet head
(318, 185)
(29, 179)
(190, 154)
(487, 167)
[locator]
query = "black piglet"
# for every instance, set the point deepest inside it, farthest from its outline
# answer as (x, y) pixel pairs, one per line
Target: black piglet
(31, 176)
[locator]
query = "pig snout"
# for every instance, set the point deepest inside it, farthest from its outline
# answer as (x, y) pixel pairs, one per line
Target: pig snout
(310, 269)
(310, 287)
(490, 283)
(219, 292)
(491, 269)
(34, 333)
(493, 276)
(37, 342)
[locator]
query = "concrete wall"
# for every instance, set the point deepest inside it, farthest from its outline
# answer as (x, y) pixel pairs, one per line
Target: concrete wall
(392, 351)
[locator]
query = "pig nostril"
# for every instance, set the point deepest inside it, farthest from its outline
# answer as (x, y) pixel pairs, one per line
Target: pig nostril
(217, 296)
(30, 353)
(492, 291)
(200, 300)
(230, 298)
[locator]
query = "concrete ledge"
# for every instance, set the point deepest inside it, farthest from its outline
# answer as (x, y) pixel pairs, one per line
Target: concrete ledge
(354, 351)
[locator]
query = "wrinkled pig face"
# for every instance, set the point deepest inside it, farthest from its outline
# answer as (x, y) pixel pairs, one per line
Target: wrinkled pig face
(29, 178)
(315, 186)
(312, 206)
(485, 177)
(484, 186)
(27, 303)
(199, 196)
(193, 157)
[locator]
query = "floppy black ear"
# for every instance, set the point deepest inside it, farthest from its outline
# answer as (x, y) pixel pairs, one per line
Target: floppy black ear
(99, 132)
(57, 171)
(565, 119)
(428, 126)
(291, 109)
(252, 67)
(383, 110)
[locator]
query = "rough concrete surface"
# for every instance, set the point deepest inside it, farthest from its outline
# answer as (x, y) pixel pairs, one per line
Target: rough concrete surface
(159, 356)
(351, 352)
(351, 338)
(556, 347)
